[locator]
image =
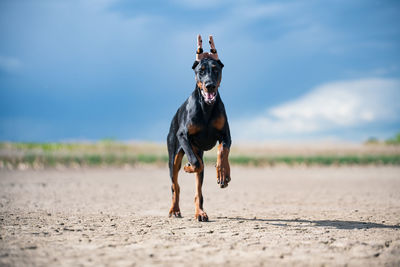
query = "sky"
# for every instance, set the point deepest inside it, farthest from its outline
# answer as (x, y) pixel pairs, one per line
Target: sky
(294, 70)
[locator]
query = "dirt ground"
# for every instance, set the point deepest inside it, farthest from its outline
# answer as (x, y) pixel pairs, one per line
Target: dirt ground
(267, 216)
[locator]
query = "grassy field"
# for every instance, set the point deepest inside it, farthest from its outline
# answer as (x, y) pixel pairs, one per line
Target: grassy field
(111, 153)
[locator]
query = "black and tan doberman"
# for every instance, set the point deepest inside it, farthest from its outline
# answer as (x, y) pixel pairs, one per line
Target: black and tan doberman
(198, 124)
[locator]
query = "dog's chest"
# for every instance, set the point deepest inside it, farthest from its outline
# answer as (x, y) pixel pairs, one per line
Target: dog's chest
(205, 135)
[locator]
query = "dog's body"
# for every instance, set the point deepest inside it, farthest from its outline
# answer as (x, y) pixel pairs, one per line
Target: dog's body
(198, 124)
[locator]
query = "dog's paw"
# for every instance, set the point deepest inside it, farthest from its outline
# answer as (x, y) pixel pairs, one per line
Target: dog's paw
(223, 176)
(201, 216)
(175, 212)
(224, 183)
(190, 168)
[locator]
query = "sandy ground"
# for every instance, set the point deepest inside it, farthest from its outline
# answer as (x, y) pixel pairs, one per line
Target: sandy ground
(274, 216)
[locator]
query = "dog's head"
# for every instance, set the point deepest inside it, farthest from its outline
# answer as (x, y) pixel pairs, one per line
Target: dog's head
(208, 74)
(208, 71)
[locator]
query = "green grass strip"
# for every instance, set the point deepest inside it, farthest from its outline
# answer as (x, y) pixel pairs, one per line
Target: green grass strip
(51, 160)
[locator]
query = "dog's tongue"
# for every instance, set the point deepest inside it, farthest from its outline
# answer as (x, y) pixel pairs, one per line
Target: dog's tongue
(209, 96)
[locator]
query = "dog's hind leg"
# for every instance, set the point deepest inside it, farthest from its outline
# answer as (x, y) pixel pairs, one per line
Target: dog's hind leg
(175, 165)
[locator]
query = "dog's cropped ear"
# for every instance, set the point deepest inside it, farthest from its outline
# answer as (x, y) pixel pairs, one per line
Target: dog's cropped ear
(200, 54)
(213, 51)
(199, 50)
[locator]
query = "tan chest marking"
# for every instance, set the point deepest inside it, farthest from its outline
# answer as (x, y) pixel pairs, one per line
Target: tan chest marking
(193, 129)
(219, 122)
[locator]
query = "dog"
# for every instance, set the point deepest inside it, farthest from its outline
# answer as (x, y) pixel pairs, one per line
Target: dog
(197, 126)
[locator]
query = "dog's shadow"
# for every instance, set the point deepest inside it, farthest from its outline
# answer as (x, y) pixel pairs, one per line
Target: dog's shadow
(338, 224)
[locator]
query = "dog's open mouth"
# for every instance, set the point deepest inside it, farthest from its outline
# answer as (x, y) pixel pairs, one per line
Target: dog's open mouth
(209, 97)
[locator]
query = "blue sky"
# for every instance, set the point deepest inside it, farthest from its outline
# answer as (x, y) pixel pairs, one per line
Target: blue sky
(294, 70)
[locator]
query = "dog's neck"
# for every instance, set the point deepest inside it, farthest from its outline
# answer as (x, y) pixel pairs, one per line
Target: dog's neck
(206, 108)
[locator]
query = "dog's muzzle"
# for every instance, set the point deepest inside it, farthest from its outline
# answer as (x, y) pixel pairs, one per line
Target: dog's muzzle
(209, 97)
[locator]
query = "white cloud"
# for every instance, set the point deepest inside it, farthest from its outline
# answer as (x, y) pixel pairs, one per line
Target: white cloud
(343, 105)
(9, 64)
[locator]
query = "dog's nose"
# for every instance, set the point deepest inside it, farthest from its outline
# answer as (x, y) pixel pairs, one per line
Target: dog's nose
(210, 86)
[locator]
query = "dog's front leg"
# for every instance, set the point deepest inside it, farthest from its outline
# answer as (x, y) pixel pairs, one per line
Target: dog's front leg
(195, 163)
(223, 168)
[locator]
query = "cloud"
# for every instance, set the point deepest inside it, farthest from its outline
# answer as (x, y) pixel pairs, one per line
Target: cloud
(9, 64)
(328, 108)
